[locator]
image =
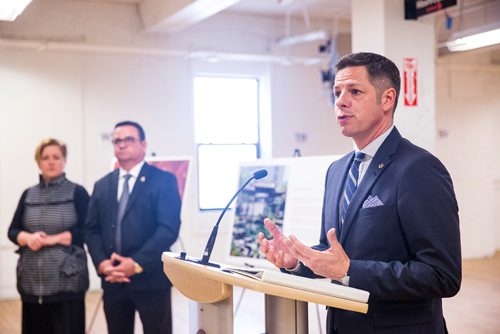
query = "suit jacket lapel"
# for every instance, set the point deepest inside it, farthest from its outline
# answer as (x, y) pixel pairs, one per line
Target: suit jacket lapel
(139, 185)
(114, 194)
(338, 180)
(379, 164)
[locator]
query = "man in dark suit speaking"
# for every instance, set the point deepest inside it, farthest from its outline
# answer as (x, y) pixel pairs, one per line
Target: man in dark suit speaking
(390, 218)
(134, 216)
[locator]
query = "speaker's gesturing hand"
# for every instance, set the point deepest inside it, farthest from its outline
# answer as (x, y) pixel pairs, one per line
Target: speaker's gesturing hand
(276, 249)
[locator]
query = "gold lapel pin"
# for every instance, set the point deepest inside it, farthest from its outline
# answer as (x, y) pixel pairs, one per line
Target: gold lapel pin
(143, 178)
(381, 166)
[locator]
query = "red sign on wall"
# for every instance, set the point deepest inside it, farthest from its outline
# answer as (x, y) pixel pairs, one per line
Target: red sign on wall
(410, 82)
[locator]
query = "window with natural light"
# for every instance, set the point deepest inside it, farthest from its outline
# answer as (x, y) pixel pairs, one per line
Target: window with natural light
(226, 117)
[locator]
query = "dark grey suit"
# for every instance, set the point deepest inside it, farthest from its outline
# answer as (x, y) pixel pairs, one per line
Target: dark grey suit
(150, 226)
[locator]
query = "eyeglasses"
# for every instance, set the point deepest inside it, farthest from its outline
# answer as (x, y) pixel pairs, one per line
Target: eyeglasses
(126, 140)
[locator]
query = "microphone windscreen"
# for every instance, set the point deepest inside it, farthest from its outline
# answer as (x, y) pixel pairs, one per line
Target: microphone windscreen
(260, 174)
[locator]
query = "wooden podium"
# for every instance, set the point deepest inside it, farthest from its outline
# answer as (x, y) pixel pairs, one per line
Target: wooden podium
(285, 309)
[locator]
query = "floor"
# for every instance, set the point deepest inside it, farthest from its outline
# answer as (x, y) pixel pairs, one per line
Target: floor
(476, 309)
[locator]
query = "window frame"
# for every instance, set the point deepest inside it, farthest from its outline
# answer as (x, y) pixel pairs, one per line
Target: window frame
(257, 144)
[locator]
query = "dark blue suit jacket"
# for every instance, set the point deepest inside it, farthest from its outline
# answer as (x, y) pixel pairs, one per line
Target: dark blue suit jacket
(150, 224)
(406, 252)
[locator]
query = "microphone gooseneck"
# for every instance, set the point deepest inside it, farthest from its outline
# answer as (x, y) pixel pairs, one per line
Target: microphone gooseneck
(211, 240)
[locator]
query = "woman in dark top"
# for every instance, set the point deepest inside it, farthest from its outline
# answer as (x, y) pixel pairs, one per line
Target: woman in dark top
(52, 274)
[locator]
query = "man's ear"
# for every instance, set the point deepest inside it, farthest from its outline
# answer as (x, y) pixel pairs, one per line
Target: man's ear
(388, 99)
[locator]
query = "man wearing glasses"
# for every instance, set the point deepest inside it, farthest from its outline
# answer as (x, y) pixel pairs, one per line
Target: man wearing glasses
(134, 216)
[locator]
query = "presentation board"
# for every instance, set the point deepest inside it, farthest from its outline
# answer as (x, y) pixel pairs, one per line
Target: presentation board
(291, 195)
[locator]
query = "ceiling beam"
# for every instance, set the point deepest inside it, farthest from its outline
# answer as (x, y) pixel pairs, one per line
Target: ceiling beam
(174, 15)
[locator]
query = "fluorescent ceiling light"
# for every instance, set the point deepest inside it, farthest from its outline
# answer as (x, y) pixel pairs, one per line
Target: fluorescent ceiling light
(475, 41)
(10, 9)
(305, 38)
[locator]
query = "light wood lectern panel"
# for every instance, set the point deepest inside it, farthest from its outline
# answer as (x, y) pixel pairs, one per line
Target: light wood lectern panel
(212, 287)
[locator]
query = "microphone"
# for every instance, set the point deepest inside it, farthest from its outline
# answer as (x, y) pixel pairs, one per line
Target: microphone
(211, 240)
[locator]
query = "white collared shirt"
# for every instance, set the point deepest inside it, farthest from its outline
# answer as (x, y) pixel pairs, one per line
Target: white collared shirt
(370, 150)
(134, 174)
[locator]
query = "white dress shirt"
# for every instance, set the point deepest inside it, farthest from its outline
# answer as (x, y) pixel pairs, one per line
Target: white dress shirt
(370, 150)
(134, 174)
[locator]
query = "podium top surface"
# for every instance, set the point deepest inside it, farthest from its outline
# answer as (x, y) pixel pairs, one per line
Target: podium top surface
(209, 285)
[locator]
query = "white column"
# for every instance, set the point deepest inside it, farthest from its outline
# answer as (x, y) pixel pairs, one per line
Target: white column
(379, 26)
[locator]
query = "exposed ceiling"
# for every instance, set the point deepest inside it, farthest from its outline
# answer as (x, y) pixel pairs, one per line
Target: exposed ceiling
(174, 15)
(170, 16)
(315, 8)
(468, 17)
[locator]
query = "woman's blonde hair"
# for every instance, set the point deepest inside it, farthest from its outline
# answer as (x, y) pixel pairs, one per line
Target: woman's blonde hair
(49, 142)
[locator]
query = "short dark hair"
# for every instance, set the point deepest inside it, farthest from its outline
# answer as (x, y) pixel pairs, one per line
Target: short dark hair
(142, 134)
(382, 72)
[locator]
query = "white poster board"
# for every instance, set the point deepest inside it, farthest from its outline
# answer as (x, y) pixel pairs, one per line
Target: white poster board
(291, 195)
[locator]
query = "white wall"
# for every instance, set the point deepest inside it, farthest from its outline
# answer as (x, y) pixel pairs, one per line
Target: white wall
(391, 35)
(97, 74)
(468, 117)
(38, 96)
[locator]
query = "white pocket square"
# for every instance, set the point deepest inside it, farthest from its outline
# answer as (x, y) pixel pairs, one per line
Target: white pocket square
(371, 202)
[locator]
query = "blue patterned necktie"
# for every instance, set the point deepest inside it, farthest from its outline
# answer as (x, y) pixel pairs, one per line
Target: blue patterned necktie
(122, 204)
(351, 184)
